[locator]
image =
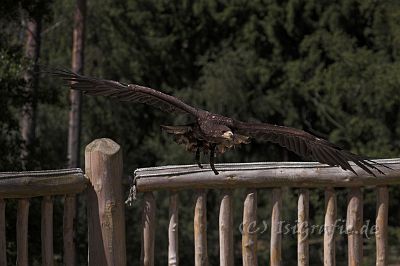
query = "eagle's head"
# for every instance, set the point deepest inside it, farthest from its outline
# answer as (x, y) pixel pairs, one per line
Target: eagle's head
(227, 135)
(225, 132)
(219, 133)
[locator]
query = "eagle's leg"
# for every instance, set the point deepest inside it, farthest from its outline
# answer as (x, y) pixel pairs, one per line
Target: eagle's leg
(197, 157)
(212, 158)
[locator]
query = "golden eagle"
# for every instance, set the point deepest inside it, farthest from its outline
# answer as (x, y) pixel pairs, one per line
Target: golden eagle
(213, 133)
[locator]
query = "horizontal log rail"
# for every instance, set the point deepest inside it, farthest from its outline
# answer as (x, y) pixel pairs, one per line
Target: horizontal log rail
(252, 176)
(41, 183)
(263, 175)
(45, 184)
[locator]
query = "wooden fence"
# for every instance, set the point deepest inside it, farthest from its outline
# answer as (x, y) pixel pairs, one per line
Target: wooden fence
(102, 183)
(105, 207)
(256, 176)
(25, 185)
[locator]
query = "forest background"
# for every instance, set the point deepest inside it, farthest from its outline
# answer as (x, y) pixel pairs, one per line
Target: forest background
(328, 67)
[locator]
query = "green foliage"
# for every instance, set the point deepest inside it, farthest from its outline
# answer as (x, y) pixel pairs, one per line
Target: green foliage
(11, 84)
(329, 67)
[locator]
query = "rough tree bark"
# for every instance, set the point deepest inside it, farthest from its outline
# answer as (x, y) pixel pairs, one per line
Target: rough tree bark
(28, 116)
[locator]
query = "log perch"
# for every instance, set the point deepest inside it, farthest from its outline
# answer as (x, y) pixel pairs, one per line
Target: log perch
(262, 175)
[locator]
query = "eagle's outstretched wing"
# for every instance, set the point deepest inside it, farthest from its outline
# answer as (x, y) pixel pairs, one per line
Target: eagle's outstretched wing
(306, 145)
(125, 92)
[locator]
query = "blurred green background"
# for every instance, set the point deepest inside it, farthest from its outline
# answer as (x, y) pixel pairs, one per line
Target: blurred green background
(328, 67)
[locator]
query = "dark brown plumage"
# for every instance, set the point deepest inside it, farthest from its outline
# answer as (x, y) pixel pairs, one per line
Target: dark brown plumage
(214, 133)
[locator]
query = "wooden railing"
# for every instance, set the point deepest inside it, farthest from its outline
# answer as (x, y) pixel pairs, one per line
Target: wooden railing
(256, 176)
(106, 219)
(25, 185)
(102, 183)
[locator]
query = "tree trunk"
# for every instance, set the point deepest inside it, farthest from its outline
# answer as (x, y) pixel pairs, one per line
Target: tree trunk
(75, 96)
(28, 116)
(74, 130)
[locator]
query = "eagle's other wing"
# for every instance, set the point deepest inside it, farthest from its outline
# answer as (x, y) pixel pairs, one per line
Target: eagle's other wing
(125, 92)
(306, 145)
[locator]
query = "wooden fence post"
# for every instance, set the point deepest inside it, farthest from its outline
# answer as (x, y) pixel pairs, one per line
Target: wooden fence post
(302, 228)
(329, 227)
(173, 240)
(22, 232)
(382, 208)
(47, 231)
(276, 228)
(106, 213)
(148, 229)
(69, 219)
(354, 222)
(249, 229)
(200, 229)
(226, 244)
(3, 254)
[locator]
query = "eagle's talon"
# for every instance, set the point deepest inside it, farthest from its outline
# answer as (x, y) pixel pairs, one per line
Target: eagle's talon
(197, 158)
(212, 158)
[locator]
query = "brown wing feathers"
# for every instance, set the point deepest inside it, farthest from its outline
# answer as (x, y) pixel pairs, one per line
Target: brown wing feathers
(125, 92)
(307, 145)
(298, 141)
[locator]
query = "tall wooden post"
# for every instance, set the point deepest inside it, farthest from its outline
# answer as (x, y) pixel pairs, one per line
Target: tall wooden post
(106, 214)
